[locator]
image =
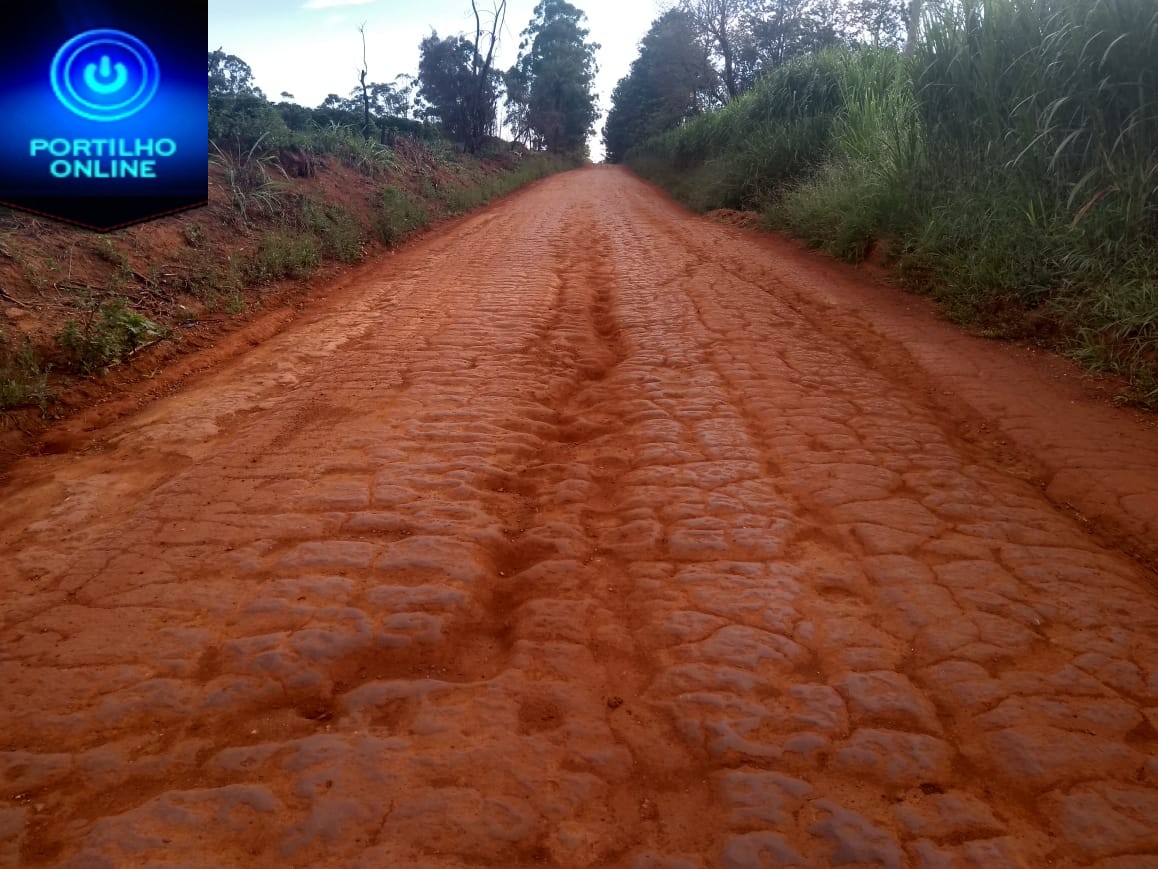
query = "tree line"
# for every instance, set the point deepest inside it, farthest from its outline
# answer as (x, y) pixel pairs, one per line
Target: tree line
(702, 54)
(547, 94)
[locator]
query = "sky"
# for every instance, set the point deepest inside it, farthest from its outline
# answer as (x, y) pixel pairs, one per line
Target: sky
(311, 48)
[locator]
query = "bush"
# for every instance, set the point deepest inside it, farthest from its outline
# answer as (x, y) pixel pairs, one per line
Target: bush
(1010, 163)
(347, 144)
(22, 379)
(398, 214)
(251, 180)
(335, 228)
(284, 253)
(240, 121)
(209, 280)
(109, 333)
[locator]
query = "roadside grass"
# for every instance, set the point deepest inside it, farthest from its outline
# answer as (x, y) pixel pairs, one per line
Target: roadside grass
(252, 180)
(461, 199)
(108, 333)
(1009, 167)
(23, 380)
(283, 253)
(335, 227)
(211, 281)
(93, 310)
(398, 213)
(346, 144)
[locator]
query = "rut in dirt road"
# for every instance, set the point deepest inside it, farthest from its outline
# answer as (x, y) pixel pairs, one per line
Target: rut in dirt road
(582, 534)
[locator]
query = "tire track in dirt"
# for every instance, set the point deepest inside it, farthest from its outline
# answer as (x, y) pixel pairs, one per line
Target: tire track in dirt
(578, 537)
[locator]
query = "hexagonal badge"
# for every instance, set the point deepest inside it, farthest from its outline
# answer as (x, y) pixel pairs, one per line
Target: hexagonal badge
(103, 109)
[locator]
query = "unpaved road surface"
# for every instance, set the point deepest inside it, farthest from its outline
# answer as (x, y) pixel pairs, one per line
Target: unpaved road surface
(589, 533)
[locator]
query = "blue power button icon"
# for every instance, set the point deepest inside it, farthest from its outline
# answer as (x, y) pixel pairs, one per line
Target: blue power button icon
(104, 75)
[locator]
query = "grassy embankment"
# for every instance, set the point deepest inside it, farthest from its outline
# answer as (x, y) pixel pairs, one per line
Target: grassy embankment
(73, 303)
(1008, 166)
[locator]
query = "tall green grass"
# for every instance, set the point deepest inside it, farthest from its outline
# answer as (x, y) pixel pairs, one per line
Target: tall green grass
(1009, 165)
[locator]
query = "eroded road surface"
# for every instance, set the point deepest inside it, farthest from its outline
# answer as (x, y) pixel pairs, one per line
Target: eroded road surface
(584, 533)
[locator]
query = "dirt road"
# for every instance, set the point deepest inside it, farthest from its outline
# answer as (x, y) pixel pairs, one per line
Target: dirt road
(590, 533)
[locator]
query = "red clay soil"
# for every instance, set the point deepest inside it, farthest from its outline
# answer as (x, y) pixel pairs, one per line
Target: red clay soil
(591, 533)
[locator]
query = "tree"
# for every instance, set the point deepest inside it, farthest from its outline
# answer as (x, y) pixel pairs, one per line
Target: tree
(444, 78)
(719, 21)
(877, 22)
(239, 114)
(362, 73)
(913, 25)
(671, 80)
(482, 99)
(780, 30)
(549, 89)
(230, 76)
(457, 84)
(392, 100)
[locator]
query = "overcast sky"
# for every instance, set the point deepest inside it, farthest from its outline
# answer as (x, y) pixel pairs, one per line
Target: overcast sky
(311, 48)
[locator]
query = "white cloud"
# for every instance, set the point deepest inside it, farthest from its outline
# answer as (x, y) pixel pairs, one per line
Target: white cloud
(332, 4)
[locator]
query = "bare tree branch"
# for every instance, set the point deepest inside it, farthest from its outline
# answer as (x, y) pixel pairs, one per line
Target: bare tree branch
(362, 78)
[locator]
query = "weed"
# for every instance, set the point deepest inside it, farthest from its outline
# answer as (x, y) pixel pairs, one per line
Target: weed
(398, 214)
(249, 177)
(23, 381)
(105, 248)
(352, 148)
(1012, 159)
(194, 234)
(110, 332)
(283, 253)
(235, 303)
(335, 227)
(208, 280)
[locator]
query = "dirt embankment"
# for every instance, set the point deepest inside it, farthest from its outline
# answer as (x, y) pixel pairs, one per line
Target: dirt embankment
(591, 533)
(87, 320)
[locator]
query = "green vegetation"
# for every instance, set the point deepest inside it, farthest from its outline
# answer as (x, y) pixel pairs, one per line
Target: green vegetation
(550, 101)
(284, 253)
(399, 214)
(335, 228)
(672, 79)
(22, 379)
(423, 148)
(1008, 164)
(460, 199)
(110, 332)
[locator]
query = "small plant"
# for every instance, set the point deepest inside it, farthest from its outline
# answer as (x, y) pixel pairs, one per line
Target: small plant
(459, 200)
(107, 249)
(352, 148)
(235, 304)
(335, 227)
(398, 214)
(206, 280)
(110, 332)
(284, 253)
(194, 234)
(23, 381)
(248, 176)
